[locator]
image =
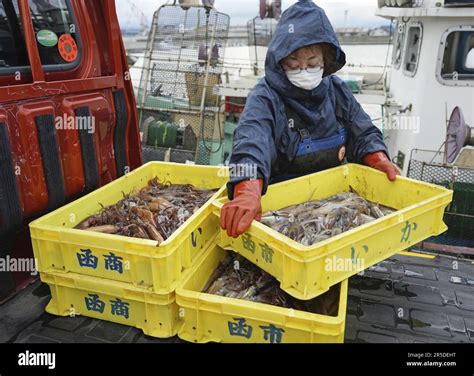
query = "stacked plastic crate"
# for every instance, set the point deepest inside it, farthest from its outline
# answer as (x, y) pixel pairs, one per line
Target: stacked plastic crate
(306, 272)
(120, 279)
(160, 289)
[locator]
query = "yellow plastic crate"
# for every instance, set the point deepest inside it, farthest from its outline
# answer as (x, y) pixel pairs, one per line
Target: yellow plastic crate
(58, 247)
(212, 318)
(77, 295)
(308, 271)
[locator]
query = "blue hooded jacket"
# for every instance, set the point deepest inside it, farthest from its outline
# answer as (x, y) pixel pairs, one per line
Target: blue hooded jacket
(263, 137)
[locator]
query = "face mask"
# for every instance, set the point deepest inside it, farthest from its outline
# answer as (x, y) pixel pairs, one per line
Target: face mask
(305, 79)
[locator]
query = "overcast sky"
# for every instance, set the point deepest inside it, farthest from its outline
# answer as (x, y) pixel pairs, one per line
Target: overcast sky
(360, 13)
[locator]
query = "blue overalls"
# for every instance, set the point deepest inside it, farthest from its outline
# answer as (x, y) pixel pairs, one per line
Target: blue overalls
(313, 155)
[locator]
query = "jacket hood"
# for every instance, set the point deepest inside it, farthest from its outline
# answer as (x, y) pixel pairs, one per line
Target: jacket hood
(302, 24)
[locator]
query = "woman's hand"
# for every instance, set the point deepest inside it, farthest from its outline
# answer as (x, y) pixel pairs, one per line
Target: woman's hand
(380, 161)
(238, 214)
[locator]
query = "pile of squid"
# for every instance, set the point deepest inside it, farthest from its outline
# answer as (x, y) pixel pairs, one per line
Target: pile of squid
(154, 212)
(315, 221)
(238, 278)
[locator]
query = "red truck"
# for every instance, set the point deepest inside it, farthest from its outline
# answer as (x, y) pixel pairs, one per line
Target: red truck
(68, 121)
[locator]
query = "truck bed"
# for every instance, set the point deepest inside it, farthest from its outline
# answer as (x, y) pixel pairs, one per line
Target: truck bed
(405, 299)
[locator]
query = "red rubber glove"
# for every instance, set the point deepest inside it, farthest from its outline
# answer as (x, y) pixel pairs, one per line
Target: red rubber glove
(380, 161)
(238, 214)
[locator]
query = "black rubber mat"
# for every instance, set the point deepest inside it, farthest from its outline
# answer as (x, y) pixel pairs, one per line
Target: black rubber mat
(121, 116)
(10, 208)
(89, 156)
(51, 161)
(7, 284)
(413, 299)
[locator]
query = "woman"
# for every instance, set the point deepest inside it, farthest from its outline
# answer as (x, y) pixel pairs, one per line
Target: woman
(300, 118)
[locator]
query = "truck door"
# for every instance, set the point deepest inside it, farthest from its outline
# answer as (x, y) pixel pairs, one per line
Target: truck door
(68, 121)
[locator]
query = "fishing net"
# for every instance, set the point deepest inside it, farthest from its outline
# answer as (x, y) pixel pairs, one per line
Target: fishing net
(182, 66)
(459, 215)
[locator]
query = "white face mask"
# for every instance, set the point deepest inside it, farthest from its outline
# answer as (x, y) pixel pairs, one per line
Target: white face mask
(306, 80)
